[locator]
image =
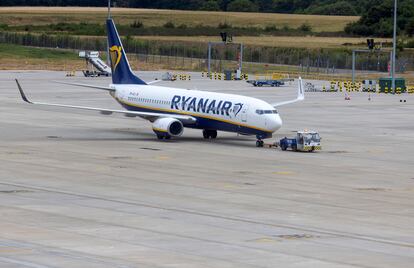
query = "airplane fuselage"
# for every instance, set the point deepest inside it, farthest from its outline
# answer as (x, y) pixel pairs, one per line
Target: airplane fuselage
(215, 111)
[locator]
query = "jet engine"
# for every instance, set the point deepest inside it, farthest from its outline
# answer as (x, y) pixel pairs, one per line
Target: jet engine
(167, 127)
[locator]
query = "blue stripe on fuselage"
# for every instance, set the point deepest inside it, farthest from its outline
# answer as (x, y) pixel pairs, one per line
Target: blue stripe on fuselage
(207, 123)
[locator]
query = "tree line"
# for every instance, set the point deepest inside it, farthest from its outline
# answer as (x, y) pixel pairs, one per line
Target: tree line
(323, 7)
(378, 20)
(376, 15)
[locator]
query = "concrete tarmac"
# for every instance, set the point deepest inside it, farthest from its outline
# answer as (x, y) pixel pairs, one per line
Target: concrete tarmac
(80, 189)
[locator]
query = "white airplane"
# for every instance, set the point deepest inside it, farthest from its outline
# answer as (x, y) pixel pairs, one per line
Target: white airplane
(171, 109)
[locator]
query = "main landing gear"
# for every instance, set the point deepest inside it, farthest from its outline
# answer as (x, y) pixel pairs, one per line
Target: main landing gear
(209, 134)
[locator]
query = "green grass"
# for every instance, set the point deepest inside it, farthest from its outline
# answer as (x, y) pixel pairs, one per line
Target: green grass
(8, 51)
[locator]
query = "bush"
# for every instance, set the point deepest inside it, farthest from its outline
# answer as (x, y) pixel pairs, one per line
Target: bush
(358, 29)
(286, 28)
(137, 24)
(410, 44)
(224, 25)
(169, 25)
(270, 28)
(305, 28)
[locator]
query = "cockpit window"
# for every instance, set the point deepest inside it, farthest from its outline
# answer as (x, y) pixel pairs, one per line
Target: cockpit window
(266, 112)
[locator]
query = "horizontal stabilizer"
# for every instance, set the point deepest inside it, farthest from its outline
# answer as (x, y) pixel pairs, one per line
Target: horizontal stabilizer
(86, 85)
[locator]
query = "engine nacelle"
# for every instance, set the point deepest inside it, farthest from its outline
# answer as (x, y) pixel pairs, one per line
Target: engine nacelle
(167, 127)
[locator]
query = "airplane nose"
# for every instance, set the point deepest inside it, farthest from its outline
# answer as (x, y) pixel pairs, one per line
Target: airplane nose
(274, 122)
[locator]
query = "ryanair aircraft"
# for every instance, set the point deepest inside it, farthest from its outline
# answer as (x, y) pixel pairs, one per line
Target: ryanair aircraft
(171, 109)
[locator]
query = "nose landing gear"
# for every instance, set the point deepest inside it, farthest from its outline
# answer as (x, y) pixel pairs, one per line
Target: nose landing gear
(209, 134)
(259, 143)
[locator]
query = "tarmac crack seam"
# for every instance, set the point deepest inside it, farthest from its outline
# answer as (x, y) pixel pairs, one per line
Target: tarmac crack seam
(236, 219)
(23, 263)
(264, 196)
(204, 240)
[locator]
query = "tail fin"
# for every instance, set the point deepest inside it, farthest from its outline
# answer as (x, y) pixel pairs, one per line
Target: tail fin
(121, 70)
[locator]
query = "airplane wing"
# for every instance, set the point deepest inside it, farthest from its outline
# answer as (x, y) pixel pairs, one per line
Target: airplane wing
(300, 97)
(147, 115)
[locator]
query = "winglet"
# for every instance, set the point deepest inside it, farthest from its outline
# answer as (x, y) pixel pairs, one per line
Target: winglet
(300, 97)
(22, 93)
(301, 93)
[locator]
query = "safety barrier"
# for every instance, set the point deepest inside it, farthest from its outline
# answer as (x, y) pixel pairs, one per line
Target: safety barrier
(182, 77)
(341, 86)
(221, 76)
(398, 91)
(71, 73)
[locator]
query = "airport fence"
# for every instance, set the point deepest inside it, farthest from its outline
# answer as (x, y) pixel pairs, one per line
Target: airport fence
(324, 61)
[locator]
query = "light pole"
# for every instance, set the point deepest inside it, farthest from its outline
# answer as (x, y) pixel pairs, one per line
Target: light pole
(394, 45)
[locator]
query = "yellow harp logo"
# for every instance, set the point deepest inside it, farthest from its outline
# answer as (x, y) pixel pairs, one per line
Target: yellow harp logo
(116, 53)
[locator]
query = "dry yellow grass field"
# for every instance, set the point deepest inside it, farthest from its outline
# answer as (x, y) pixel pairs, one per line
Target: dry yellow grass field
(276, 41)
(153, 17)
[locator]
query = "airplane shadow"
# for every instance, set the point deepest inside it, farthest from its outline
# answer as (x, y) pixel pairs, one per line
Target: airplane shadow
(135, 135)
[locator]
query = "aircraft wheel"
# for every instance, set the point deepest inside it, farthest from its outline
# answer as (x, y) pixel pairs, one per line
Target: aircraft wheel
(209, 134)
(259, 143)
(160, 137)
(213, 134)
(206, 134)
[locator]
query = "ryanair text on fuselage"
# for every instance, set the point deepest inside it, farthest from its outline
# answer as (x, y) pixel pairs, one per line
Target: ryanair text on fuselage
(201, 105)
